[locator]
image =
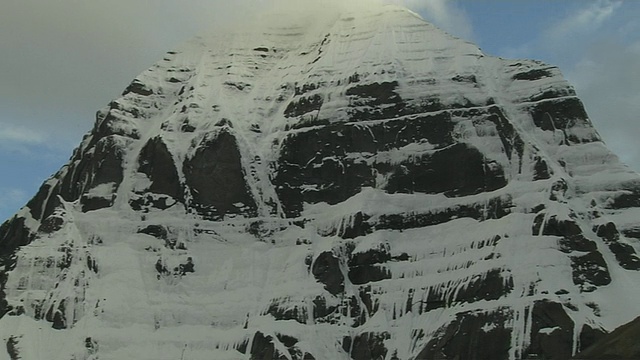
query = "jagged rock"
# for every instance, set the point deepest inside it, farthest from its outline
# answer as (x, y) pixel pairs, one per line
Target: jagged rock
(52, 223)
(91, 202)
(541, 169)
(367, 346)
(12, 348)
(624, 253)
(157, 231)
(4, 305)
(590, 336)
(590, 270)
(326, 269)
(629, 199)
(619, 344)
(461, 170)
(321, 311)
(552, 331)
(93, 176)
(296, 313)
(534, 74)
(632, 233)
(495, 208)
(492, 286)
(262, 347)
(157, 163)
(358, 227)
(36, 203)
(215, 178)
(472, 336)
(364, 274)
(137, 87)
(14, 233)
(564, 115)
(607, 231)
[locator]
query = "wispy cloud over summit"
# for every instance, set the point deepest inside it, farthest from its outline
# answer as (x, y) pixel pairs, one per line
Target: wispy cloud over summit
(587, 20)
(19, 134)
(444, 14)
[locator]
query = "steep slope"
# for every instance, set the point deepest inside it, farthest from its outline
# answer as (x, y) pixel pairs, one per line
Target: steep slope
(352, 185)
(619, 344)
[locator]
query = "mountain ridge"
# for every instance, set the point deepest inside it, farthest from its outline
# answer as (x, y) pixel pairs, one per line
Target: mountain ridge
(365, 186)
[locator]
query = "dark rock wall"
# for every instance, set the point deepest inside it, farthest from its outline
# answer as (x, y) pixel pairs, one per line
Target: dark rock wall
(619, 344)
(335, 162)
(216, 179)
(158, 164)
(465, 338)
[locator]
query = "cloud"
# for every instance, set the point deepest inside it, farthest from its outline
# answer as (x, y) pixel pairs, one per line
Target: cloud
(17, 134)
(64, 59)
(586, 20)
(444, 14)
(593, 48)
(570, 30)
(607, 79)
(22, 141)
(599, 53)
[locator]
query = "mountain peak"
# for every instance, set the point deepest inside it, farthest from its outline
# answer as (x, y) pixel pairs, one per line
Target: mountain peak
(352, 185)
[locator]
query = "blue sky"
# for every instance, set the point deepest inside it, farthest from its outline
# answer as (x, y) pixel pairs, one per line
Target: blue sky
(61, 60)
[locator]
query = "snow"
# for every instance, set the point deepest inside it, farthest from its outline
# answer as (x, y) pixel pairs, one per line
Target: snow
(245, 79)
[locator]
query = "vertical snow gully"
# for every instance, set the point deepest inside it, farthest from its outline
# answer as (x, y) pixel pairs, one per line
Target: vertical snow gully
(521, 330)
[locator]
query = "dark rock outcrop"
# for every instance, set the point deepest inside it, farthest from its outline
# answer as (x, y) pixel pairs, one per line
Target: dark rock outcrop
(619, 344)
(215, 178)
(326, 269)
(158, 164)
(469, 337)
(366, 346)
(552, 331)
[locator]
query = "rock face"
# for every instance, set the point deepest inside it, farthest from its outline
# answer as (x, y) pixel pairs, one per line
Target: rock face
(354, 185)
(619, 344)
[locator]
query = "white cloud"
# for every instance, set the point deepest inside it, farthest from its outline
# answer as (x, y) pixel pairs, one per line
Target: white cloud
(18, 134)
(12, 195)
(607, 79)
(64, 59)
(586, 20)
(599, 55)
(444, 14)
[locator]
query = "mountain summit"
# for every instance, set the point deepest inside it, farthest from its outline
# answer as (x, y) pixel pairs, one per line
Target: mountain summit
(357, 185)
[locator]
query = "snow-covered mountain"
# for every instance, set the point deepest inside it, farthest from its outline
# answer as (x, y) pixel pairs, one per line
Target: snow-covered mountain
(355, 185)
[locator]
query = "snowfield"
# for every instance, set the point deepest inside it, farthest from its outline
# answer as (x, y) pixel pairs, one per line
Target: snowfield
(351, 185)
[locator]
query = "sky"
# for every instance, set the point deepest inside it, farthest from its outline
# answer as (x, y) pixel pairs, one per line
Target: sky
(62, 60)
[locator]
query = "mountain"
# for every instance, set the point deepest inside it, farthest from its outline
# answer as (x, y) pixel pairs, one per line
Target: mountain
(351, 183)
(619, 344)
